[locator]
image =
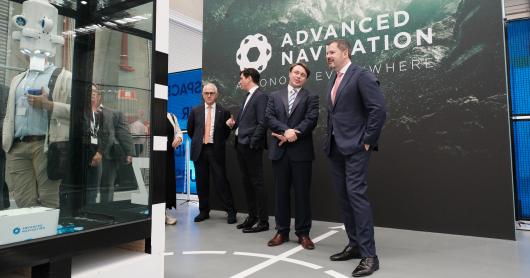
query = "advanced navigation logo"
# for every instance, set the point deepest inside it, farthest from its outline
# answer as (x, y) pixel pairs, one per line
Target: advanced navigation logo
(16, 231)
(260, 42)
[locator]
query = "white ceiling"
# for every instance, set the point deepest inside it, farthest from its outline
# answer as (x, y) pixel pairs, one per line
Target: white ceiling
(189, 8)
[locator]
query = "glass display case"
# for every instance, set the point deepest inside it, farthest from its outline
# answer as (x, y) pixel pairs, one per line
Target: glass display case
(75, 114)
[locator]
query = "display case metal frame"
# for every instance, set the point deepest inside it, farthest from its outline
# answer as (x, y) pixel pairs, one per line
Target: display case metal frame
(51, 257)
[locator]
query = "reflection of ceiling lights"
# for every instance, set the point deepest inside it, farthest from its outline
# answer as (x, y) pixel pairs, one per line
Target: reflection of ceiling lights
(112, 24)
(83, 2)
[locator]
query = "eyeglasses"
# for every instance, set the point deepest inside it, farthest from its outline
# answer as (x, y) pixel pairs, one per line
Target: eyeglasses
(208, 93)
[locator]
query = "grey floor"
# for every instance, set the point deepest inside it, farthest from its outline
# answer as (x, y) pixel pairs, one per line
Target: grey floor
(402, 253)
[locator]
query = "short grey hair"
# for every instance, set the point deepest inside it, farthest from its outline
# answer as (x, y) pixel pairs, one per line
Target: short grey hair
(211, 85)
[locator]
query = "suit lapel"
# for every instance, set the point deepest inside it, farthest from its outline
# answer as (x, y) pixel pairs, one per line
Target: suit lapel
(248, 104)
(202, 120)
(330, 87)
(345, 79)
(284, 96)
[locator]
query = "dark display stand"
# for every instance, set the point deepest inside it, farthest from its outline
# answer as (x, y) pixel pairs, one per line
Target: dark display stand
(122, 220)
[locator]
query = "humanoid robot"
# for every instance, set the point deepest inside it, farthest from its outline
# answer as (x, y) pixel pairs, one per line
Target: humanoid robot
(38, 108)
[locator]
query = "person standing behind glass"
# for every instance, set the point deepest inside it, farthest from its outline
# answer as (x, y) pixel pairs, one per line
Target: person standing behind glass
(174, 139)
(117, 148)
(93, 120)
(32, 122)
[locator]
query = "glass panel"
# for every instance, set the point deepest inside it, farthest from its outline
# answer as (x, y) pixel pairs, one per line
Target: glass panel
(75, 125)
(69, 4)
(139, 17)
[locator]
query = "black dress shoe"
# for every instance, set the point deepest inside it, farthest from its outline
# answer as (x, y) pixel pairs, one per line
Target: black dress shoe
(248, 223)
(366, 267)
(231, 218)
(260, 227)
(201, 217)
(347, 254)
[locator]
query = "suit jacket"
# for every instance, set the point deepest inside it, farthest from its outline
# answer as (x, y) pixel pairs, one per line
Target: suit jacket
(116, 140)
(251, 123)
(59, 129)
(358, 114)
(221, 132)
(303, 117)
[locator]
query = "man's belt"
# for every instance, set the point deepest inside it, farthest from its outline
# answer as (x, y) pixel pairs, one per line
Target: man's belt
(29, 138)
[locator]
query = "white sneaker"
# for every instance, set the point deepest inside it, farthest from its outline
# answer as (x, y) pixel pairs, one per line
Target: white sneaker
(170, 220)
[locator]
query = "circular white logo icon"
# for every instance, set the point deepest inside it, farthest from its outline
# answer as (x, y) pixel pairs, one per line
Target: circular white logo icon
(260, 42)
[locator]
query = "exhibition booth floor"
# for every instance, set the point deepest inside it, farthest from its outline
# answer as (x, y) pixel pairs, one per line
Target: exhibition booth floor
(214, 248)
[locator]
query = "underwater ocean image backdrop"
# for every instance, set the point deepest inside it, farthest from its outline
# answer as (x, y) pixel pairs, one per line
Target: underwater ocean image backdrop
(444, 164)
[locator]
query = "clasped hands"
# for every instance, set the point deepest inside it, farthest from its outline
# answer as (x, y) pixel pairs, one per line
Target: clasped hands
(289, 135)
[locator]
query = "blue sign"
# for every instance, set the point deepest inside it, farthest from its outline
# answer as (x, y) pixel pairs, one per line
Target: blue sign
(185, 89)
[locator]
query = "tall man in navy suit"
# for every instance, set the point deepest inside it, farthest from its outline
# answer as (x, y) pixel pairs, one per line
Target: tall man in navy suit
(250, 142)
(208, 132)
(356, 114)
(292, 114)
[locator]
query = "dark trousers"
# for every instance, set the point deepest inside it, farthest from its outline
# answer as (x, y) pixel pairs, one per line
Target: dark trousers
(297, 174)
(251, 165)
(208, 163)
(349, 178)
(93, 176)
(108, 179)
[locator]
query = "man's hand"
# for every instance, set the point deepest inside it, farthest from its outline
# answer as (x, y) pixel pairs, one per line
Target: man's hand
(231, 122)
(280, 137)
(129, 159)
(96, 159)
(366, 147)
(176, 142)
(290, 134)
(41, 101)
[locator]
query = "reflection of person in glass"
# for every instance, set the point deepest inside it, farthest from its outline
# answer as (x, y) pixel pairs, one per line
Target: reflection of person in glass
(117, 148)
(139, 132)
(38, 108)
(93, 147)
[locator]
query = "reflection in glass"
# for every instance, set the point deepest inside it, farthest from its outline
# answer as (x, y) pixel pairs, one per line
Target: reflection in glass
(43, 108)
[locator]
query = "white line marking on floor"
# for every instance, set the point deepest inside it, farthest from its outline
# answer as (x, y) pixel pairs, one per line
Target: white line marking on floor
(287, 260)
(169, 253)
(302, 263)
(339, 227)
(282, 256)
(204, 253)
(253, 255)
(335, 274)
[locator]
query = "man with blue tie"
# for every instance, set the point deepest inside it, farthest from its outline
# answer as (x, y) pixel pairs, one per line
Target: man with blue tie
(292, 114)
(356, 115)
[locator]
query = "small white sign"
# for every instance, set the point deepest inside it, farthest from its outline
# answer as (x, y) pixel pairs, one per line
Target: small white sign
(27, 223)
(159, 143)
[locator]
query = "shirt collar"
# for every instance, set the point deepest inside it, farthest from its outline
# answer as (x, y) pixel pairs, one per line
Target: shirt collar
(290, 88)
(253, 89)
(206, 106)
(345, 68)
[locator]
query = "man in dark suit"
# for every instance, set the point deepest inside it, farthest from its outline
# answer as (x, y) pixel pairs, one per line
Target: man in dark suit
(115, 149)
(292, 114)
(250, 142)
(208, 132)
(356, 114)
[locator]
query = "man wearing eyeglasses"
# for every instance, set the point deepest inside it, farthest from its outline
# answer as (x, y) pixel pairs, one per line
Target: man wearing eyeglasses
(208, 133)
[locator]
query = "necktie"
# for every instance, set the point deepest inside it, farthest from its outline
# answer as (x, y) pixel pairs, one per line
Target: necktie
(336, 87)
(292, 97)
(207, 126)
(241, 111)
